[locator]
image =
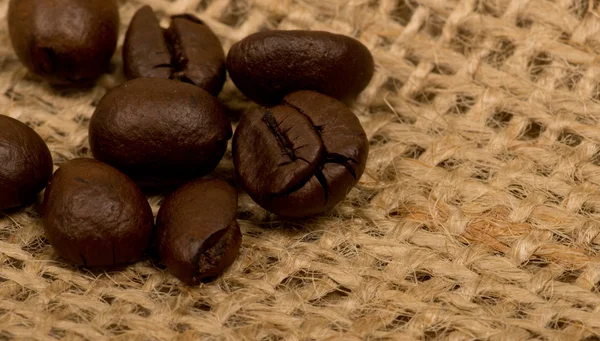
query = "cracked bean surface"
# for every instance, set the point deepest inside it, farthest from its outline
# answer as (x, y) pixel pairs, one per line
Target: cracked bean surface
(198, 236)
(302, 157)
(187, 51)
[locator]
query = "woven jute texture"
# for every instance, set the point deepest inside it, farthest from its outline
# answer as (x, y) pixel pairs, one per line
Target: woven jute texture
(478, 216)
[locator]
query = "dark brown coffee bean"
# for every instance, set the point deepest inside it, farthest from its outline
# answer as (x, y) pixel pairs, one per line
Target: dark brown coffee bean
(268, 65)
(25, 163)
(160, 132)
(64, 41)
(197, 234)
(188, 51)
(96, 216)
(302, 157)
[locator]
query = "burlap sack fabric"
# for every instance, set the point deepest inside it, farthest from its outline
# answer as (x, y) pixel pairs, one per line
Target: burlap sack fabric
(478, 216)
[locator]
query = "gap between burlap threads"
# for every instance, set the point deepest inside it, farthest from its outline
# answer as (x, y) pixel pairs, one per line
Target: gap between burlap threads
(477, 217)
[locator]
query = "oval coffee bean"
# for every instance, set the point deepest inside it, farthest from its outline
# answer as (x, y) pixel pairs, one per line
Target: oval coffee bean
(197, 234)
(64, 41)
(302, 157)
(266, 66)
(188, 51)
(96, 216)
(160, 132)
(25, 163)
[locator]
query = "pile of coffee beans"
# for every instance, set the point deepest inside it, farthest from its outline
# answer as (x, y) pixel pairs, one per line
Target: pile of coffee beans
(163, 130)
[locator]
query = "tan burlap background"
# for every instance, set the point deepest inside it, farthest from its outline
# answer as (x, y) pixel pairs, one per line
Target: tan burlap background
(478, 216)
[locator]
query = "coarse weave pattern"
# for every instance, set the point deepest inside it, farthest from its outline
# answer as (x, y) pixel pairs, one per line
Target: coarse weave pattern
(478, 216)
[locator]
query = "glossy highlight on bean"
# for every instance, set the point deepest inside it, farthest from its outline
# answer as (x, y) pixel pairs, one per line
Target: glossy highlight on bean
(67, 42)
(267, 66)
(25, 163)
(160, 132)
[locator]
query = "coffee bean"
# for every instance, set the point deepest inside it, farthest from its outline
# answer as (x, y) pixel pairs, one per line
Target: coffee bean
(302, 157)
(160, 132)
(96, 216)
(268, 65)
(25, 163)
(197, 234)
(64, 41)
(188, 51)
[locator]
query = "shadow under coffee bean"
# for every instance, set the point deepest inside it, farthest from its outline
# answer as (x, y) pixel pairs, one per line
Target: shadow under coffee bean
(187, 51)
(302, 157)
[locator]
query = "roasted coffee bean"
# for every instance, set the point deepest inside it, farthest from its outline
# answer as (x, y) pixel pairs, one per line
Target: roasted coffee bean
(197, 234)
(25, 163)
(268, 65)
(302, 157)
(65, 41)
(96, 216)
(160, 132)
(188, 51)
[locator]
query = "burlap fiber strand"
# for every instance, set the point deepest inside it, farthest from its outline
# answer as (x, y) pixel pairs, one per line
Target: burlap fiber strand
(478, 216)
